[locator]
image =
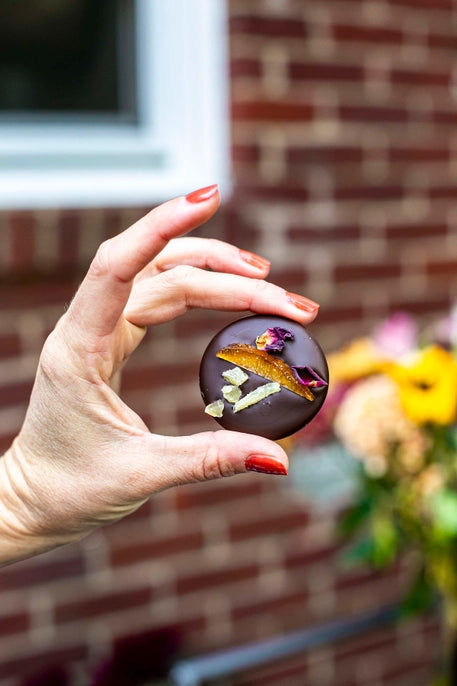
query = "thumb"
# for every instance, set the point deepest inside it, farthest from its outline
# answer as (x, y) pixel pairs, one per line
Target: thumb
(211, 455)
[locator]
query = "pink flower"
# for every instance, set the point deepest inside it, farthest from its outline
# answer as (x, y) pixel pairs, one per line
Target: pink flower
(397, 335)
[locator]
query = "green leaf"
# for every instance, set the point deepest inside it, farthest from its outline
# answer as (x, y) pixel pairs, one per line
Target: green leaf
(354, 517)
(420, 596)
(361, 552)
(385, 539)
(444, 511)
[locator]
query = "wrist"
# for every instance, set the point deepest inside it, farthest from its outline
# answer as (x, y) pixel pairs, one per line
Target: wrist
(22, 530)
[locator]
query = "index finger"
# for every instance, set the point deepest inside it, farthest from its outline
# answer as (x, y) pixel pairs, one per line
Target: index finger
(102, 296)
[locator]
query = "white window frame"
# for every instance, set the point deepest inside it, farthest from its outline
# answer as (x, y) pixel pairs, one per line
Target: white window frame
(180, 143)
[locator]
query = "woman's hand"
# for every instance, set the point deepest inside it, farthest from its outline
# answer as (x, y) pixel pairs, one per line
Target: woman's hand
(83, 458)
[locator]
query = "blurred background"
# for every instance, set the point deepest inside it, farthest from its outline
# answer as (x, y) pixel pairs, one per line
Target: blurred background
(341, 168)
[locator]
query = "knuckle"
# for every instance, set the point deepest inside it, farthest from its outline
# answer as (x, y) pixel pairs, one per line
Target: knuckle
(261, 291)
(262, 287)
(215, 244)
(102, 260)
(213, 464)
(182, 273)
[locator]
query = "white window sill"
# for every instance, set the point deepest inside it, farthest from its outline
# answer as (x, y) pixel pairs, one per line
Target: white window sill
(180, 143)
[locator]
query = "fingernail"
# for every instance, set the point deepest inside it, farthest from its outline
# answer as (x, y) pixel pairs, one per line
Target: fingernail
(254, 260)
(302, 303)
(202, 194)
(265, 465)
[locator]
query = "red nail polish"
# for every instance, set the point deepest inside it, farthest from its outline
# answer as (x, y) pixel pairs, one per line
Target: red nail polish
(254, 260)
(202, 194)
(265, 465)
(302, 303)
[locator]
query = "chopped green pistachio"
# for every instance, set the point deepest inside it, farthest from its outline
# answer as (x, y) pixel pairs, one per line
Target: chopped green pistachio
(256, 395)
(231, 393)
(215, 409)
(235, 376)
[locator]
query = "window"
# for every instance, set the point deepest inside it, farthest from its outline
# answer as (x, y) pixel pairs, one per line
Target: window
(111, 103)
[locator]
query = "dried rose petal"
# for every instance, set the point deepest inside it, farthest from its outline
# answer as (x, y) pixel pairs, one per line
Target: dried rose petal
(308, 377)
(273, 339)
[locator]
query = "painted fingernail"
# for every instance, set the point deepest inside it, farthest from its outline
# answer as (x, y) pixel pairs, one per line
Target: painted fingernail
(254, 260)
(265, 465)
(302, 303)
(202, 194)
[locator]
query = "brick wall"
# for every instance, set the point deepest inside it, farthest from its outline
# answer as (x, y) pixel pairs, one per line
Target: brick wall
(344, 129)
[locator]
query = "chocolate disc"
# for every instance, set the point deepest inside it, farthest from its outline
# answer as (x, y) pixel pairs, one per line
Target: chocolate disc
(283, 412)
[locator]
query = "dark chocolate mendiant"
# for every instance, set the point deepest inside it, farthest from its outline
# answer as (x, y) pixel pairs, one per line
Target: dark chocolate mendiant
(278, 357)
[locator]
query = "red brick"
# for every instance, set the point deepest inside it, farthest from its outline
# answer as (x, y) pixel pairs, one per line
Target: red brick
(112, 221)
(302, 558)
(443, 267)
(40, 570)
(136, 378)
(286, 603)
(246, 153)
(293, 279)
(444, 118)
(358, 578)
(370, 192)
(10, 345)
(271, 111)
(101, 605)
(272, 525)
(210, 580)
(442, 41)
(191, 415)
(244, 66)
(323, 71)
(442, 192)
(355, 272)
(367, 34)
(432, 306)
(22, 233)
(418, 669)
(334, 315)
(287, 672)
(327, 155)
(418, 155)
(411, 231)
(422, 77)
(372, 113)
(266, 27)
(217, 493)
(35, 292)
(15, 393)
(289, 189)
(323, 234)
(132, 553)
(199, 321)
(33, 664)
(14, 624)
(69, 227)
(424, 4)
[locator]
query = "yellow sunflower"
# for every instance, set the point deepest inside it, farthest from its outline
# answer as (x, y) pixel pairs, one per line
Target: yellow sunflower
(428, 386)
(357, 360)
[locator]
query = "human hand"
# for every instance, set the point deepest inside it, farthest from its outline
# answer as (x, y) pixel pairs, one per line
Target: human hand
(83, 458)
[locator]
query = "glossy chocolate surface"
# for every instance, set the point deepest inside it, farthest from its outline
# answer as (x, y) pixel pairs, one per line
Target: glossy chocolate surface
(278, 415)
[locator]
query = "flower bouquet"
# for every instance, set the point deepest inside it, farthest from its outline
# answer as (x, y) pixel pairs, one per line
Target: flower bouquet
(393, 406)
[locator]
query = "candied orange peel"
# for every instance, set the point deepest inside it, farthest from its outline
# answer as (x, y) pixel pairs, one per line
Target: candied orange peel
(263, 364)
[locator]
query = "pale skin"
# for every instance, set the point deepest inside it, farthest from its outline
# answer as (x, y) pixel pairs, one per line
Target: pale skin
(83, 458)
